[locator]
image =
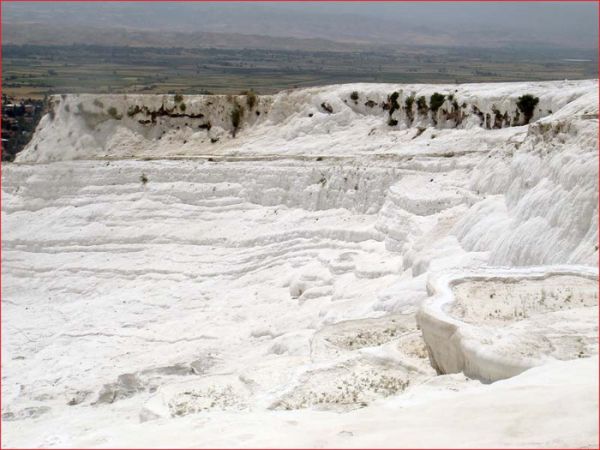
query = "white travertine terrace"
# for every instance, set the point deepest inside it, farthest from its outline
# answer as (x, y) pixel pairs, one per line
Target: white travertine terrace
(166, 283)
(496, 323)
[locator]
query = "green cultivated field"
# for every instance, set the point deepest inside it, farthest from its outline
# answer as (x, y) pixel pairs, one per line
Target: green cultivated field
(34, 70)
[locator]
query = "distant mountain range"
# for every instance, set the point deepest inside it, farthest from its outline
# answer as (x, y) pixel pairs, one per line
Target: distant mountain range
(323, 26)
(42, 34)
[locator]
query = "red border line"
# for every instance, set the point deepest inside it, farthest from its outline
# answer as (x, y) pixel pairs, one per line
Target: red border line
(299, 1)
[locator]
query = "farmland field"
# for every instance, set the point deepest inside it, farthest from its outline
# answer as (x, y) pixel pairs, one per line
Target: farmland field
(37, 70)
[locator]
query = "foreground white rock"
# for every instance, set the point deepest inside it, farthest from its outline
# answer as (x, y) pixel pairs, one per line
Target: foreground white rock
(497, 323)
(262, 290)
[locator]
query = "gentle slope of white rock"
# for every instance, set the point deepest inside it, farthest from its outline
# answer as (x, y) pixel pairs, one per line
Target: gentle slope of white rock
(166, 283)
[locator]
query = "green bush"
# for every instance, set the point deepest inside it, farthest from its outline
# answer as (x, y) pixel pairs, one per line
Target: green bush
(436, 101)
(251, 99)
(422, 105)
(394, 102)
(526, 104)
(178, 98)
(236, 117)
(133, 110)
(408, 106)
(112, 112)
(182, 107)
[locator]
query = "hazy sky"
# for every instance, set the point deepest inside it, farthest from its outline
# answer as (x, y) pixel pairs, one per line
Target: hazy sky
(565, 24)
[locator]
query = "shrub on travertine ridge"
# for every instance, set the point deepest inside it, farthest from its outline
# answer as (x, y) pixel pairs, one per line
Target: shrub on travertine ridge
(436, 101)
(526, 104)
(236, 117)
(422, 105)
(251, 99)
(112, 112)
